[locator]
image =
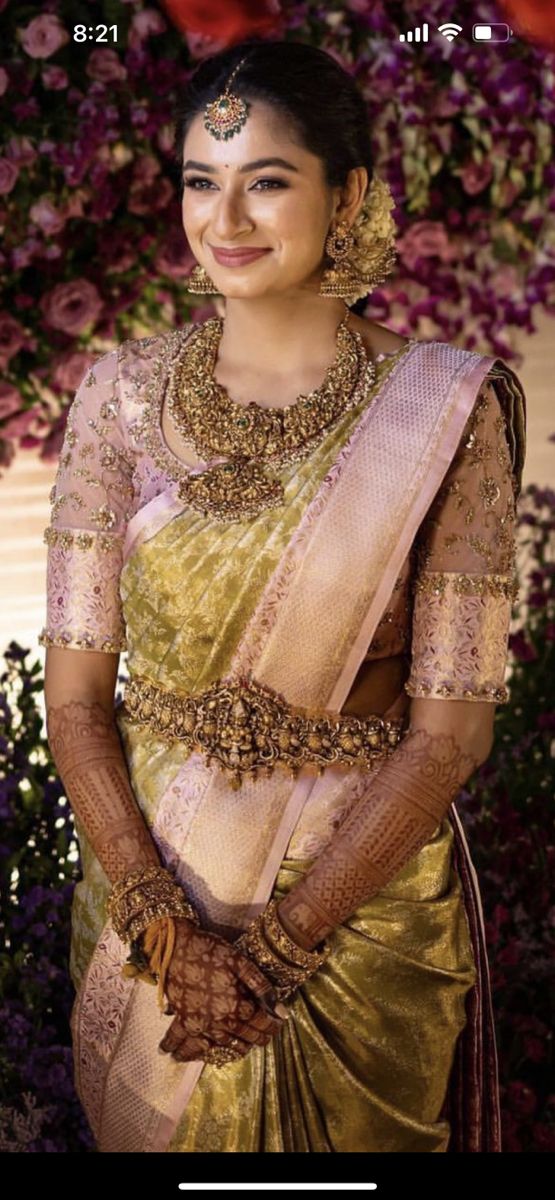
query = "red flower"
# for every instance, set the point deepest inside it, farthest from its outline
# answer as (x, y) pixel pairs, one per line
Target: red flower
(228, 21)
(534, 18)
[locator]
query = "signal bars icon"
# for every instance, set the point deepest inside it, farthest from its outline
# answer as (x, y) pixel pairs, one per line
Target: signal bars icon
(421, 33)
(416, 35)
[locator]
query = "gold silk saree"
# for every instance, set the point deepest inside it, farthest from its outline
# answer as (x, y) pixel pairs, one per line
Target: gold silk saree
(388, 572)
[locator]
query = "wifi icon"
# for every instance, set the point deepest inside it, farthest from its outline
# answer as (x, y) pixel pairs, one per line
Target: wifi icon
(450, 30)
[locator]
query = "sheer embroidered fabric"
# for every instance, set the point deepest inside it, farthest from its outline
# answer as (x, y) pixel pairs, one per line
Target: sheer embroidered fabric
(465, 581)
(92, 500)
(450, 608)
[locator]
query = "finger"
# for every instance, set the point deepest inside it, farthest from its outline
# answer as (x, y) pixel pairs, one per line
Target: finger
(262, 1025)
(173, 1036)
(257, 983)
(282, 1011)
(191, 1049)
(258, 1030)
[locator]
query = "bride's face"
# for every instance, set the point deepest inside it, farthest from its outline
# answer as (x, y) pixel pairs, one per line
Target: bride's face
(259, 190)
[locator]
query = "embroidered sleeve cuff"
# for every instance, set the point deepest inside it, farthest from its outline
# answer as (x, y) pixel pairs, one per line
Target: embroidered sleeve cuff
(460, 636)
(83, 602)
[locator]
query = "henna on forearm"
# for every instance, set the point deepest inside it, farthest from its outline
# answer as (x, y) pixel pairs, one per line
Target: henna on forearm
(399, 813)
(86, 748)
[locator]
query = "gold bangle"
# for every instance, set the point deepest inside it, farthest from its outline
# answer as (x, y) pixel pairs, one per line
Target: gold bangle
(280, 940)
(285, 976)
(143, 897)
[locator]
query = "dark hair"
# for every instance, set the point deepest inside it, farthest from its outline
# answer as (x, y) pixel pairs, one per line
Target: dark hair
(305, 84)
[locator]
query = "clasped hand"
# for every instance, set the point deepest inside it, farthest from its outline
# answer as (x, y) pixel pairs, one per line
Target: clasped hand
(217, 994)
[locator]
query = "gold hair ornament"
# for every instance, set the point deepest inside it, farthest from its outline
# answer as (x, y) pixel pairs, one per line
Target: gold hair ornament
(226, 115)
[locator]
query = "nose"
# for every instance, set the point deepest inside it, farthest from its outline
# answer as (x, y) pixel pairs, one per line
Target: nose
(229, 217)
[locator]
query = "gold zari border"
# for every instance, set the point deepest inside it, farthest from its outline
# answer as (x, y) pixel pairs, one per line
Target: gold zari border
(248, 729)
(435, 583)
(83, 538)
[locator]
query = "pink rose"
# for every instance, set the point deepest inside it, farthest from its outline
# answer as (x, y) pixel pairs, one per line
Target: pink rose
(146, 168)
(425, 239)
(10, 400)
(201, 45)
(72, 306)
(150, 197)
(70, 369)
(9, 175)
(23, 254)
(174, 257)
(19, 426)
(476, 176)
(4, 81)
(55, 79)
(43, 36)
(21, 150)
(143, 24)
(46, 216)
(74, 205)
(105, 66)
(12, 338)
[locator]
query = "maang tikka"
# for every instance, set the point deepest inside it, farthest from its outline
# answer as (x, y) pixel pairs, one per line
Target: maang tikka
(362, 256)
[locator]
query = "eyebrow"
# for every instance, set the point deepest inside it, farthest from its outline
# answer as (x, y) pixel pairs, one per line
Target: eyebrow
(251, 166)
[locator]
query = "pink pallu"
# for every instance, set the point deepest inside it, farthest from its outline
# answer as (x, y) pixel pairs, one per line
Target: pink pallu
(341, 563)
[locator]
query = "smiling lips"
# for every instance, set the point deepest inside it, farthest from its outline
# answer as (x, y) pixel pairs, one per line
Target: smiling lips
(237, 258)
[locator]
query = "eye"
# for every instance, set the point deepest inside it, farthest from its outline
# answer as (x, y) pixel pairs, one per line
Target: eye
(197, 182)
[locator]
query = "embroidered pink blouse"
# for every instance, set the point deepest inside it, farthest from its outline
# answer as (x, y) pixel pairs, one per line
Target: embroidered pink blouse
(446, 627)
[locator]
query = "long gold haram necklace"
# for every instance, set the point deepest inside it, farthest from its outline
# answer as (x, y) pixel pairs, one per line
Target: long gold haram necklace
(249, 435)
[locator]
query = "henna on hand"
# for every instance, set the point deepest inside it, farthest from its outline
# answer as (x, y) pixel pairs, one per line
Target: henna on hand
(405, 802)
(86, 748)
(217, 994)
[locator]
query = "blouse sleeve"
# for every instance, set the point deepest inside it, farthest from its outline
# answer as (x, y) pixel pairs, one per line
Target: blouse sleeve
(465, 579)
(91, 503)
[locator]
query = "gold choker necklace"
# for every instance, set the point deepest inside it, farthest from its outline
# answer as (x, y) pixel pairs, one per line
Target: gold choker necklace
(249, 435)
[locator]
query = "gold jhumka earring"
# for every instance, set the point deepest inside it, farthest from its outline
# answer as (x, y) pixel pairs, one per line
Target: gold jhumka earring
(363, 256)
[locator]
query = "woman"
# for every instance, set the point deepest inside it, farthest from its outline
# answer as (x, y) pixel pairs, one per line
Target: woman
(301, 528)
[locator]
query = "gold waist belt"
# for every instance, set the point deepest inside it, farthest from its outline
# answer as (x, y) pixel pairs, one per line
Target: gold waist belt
(249, 729)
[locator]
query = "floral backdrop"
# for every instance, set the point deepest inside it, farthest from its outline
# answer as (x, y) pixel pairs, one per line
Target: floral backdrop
(93, 250)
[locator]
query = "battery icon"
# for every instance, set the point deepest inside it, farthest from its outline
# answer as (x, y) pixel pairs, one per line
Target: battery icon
(498, 32)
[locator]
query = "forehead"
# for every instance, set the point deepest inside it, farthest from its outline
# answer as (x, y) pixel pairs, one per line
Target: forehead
(267, 132)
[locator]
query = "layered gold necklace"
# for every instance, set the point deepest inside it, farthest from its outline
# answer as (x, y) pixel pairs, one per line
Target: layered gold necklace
(251, 436)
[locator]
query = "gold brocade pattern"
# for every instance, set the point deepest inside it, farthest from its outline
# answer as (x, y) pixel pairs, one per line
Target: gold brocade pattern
(364, 1060)
(248, 729)
(180, 634)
